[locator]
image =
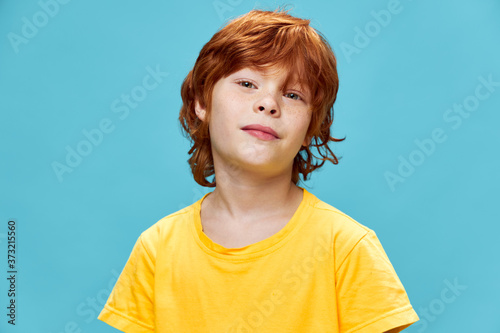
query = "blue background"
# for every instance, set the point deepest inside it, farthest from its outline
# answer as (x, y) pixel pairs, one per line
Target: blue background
(438, 222)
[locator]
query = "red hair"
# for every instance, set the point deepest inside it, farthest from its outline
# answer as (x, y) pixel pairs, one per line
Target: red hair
(260, 40)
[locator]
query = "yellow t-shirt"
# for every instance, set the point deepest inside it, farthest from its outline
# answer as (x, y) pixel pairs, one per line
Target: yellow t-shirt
(322, 272)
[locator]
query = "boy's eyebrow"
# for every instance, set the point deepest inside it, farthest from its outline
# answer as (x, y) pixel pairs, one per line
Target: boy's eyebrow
(295, 84)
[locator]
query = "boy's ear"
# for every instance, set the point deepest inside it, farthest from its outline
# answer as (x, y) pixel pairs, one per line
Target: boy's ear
(200, 111)
(307, 141)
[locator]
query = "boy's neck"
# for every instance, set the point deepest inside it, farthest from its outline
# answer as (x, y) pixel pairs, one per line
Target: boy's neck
(247, 202)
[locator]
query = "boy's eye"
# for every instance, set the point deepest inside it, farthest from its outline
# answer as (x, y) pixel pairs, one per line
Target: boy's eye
(246, 84)
(293, 96)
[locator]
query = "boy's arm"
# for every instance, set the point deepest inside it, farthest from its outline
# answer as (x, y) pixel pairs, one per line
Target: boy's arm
(130, 305)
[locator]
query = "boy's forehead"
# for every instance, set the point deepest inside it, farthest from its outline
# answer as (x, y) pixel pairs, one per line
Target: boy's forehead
(274, 70)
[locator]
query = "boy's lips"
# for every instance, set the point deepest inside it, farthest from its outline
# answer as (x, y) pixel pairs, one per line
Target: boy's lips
(261, 128)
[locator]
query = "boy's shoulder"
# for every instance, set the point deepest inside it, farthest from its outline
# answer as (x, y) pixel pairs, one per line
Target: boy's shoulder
(166, 225)
(324, 212)
(349, 237)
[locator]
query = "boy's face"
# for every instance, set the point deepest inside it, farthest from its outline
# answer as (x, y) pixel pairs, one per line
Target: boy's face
(249, 98)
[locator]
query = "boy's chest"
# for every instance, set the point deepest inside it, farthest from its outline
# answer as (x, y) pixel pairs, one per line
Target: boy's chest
(291, 286)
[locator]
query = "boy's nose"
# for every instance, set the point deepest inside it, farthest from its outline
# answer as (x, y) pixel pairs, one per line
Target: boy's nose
(261, 108)
(268, 104)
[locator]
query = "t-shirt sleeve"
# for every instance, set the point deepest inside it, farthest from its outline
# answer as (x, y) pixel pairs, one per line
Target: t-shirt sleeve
(130, 305)
(371, 298)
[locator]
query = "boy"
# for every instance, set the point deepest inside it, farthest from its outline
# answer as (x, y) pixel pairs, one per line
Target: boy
(259, 253)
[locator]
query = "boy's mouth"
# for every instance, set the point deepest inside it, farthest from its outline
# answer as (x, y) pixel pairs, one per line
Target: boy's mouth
(261, 131)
